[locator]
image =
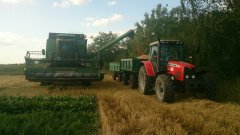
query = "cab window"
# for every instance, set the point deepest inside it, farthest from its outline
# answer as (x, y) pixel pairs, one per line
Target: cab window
(154, 52)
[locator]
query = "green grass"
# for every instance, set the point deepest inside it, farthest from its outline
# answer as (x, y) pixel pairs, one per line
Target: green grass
(49, 115)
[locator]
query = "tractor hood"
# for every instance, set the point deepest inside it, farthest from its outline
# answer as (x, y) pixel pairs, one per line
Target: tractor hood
(180, 64)
(179, 69)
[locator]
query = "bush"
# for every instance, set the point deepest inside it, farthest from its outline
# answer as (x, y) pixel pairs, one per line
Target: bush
(48, 115)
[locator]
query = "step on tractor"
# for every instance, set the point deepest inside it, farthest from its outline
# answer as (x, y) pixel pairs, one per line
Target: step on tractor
(67, 60)
(163, 71)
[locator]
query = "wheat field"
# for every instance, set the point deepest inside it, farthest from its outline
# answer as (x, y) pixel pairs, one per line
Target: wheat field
(126, 112)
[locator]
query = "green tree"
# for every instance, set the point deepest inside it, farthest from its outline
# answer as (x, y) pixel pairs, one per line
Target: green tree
(209, 29)
(112, 53)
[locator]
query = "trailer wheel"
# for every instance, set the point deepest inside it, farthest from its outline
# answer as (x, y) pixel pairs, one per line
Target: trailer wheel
(164, 88)
(114, 76)
(133, 81)
(125, 78)
(144, 82)
(120, 77)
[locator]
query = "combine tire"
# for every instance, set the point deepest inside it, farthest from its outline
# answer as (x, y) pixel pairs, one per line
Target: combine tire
(125, 79)
(46, 83)
(164, 88)
(144, 82)
(133, 81)
(86, 83)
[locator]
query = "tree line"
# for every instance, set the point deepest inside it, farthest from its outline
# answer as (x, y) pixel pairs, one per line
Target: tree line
(210, 30)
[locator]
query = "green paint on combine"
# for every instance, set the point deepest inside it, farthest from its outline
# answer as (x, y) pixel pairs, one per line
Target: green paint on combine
(66, 59)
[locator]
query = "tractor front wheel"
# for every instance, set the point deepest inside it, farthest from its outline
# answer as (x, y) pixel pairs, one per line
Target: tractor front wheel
(164, 88)
(144, 82)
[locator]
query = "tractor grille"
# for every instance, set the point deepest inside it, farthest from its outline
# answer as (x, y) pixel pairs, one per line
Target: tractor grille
(189, 73)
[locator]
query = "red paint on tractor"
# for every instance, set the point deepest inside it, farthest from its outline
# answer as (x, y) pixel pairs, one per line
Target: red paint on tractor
(149, 68)
(176, 68)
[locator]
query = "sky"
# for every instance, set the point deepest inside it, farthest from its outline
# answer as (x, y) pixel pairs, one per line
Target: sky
(25, 24)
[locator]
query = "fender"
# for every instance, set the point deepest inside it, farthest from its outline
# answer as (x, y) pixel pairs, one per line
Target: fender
(149, 68)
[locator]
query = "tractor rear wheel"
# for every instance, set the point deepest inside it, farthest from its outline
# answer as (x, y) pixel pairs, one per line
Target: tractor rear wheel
(144, 82)
(133, 81)
(164, 88)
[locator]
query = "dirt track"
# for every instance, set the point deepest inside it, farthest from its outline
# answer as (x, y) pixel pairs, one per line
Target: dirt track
(125, 111)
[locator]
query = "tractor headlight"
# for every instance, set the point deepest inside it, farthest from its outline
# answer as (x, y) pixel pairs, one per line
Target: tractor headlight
(189, 73)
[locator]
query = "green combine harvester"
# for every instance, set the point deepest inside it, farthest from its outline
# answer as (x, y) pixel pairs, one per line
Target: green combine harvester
(66, 59)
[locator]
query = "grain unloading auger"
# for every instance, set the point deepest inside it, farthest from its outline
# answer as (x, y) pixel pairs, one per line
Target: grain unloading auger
(66, 60)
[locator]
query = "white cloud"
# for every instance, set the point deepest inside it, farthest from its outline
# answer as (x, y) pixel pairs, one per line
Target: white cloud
(103, 21)
(14, 39)
(112, 2)
(89, 19)
(13, 47)
(16, 1)
(68, 3)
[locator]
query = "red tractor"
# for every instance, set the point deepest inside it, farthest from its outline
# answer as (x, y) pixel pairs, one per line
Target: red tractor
(165, 72)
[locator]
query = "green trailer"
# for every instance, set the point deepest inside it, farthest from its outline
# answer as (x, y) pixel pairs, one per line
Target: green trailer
(126, 71)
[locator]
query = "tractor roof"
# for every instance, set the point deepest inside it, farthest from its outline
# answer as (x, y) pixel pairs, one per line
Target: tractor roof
(66, 35)
(166, 42)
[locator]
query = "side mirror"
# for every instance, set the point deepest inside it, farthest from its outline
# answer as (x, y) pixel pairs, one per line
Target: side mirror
(154, 57)
(43, 52)
(189, 59)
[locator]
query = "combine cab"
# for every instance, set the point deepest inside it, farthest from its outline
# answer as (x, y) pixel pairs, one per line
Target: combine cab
(66, 60)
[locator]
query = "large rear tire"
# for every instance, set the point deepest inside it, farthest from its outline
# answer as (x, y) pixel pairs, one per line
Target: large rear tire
(144, 82)
(164, 88)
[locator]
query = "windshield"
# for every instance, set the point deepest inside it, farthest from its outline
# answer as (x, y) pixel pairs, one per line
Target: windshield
(67, 47)
(171, 52)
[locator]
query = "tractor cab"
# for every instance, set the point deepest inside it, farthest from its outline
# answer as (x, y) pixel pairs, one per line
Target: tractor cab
(164, 51)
